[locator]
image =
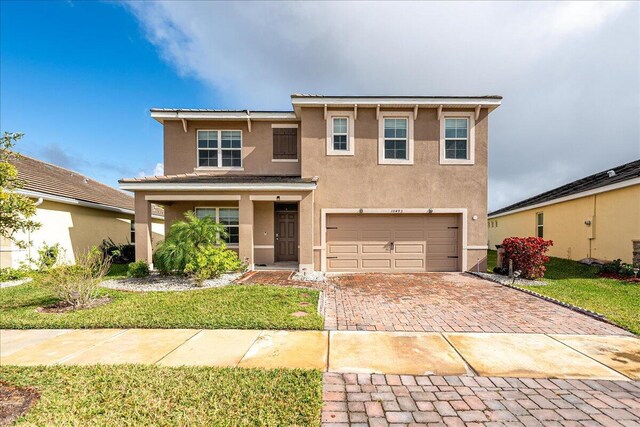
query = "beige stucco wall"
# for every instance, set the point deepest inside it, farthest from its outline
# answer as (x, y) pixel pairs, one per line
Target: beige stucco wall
(615, 217)
(180, 148)
(76, 229)
(358, 181)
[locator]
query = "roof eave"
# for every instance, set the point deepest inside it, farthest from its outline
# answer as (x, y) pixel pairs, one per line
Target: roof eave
(203, 186)
(77, 202)
(161, 115)
(627, 183)
(434, 102)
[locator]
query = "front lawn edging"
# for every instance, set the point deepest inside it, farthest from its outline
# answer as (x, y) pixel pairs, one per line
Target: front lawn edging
(581, 310)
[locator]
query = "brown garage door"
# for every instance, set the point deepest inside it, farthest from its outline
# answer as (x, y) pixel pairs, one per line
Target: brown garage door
(392, 243)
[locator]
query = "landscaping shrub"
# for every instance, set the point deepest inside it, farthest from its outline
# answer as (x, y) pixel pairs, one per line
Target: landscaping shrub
(77, 285)
(210, 262)
(7, 274)
(119, 253)
(48, 256)
(617, 267)
(183, 240)
(138, 269)
(527, 254)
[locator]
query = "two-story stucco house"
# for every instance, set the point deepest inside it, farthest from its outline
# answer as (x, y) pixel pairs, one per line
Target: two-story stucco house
(338, 184)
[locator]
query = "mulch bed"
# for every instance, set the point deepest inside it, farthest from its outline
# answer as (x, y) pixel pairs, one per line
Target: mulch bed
(63, 307)
(15, 401)
(620, 277)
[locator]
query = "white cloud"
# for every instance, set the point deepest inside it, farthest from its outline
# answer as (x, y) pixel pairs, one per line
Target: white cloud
(569, 71)
(158, 170)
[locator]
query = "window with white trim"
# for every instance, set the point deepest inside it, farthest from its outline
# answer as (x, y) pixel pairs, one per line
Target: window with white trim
(395, 138)
(396, 141)
(340, 134)
(220, 148)
(456, 138)
(540, 224)
(228, 217)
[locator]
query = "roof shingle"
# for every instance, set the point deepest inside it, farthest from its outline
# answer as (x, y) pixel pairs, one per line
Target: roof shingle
(43, 177)
(623, 173)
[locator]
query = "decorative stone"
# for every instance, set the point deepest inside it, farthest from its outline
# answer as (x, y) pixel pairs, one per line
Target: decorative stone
(299, 314)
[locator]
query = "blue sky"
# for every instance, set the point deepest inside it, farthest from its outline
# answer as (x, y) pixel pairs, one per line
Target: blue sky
(79, 77)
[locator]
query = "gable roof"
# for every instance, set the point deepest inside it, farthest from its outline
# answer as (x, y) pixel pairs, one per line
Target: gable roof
(41, 179)
(621, 174)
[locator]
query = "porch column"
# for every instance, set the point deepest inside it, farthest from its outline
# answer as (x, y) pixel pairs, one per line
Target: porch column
(143, 228)
(306, 233)
(245, 206)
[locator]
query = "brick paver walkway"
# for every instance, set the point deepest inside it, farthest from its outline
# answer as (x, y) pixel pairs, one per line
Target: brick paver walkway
(381, 400)
(437, 302)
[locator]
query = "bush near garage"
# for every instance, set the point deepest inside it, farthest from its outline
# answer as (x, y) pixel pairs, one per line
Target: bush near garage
(527, 254)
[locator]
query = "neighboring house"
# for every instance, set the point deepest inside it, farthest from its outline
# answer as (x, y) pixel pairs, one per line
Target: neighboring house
(339, 184)
(74, 211)
(593, 217)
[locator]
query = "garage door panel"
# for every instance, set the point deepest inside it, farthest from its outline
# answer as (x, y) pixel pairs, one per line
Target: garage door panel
(442, 248)
(379, 264)
(362, 243)
(415, 234)
(442, 234)
(338, 248)
(442, 265)
(409, 248)
(372, 234)
(375, 248)
(342, 235)
(412, 264)
(343, 264)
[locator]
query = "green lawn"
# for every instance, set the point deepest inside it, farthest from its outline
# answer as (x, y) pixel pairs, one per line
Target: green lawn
(236, 306)
(578, 284)
(137, 395)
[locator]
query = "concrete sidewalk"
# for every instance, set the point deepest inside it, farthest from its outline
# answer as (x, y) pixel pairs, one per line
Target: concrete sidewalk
(412, 353)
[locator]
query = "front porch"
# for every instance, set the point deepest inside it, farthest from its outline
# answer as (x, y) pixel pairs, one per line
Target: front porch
(269, 230)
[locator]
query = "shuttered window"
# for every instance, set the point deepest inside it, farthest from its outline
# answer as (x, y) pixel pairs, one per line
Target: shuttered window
(285, 143)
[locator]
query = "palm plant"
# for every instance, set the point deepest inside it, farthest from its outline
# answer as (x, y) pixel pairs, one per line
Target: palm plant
(183, 240)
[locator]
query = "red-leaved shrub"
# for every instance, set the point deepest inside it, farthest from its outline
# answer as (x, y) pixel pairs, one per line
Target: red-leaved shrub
(527, 254)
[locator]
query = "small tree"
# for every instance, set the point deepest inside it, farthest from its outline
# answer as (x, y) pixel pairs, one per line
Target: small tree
(527, 254)
(183, 240)
(15, 209)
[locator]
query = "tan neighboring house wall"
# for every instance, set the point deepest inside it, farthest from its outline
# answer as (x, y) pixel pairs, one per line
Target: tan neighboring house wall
(614, 223)
(76, 229)
(322, 183)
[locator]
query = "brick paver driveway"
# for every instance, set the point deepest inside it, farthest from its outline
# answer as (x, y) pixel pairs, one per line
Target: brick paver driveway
(404, 400)
(438, 302)
(449, 302)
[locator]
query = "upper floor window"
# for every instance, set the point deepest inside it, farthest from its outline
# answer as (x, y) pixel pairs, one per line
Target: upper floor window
(396, 138)
(340, 140)
(540, 224)
(220, 148)
(228, 217)
(457, 138)
(340, 133)
(285, 143)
